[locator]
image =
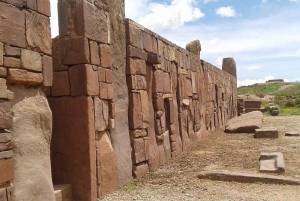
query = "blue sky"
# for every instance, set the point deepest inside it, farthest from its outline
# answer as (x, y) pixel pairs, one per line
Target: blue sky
(263, 36)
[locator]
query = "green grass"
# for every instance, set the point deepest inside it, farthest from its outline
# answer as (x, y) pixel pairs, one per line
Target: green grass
(265, 89)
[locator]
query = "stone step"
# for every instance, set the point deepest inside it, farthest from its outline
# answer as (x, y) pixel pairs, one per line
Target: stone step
(63, 192)
(266, 133)
(272, 162)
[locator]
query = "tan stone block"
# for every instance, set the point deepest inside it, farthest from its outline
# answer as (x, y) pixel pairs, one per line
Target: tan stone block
(5, 142)
(110, 91)
(172, 56)
(3, 72)
(3, 196)
(12, 62)
(140, 170)
(135, 111)
(84, 80)
(3, 88)
(31, 60)
(108, 76)
(135, 67)
(147, 42)
(38, 32)
(145, 108)
(7, 170)
(31, 4)
(101, 114)
(101, 74)
(134, 36)
(12, 25)
(12, 51)
(43, 6)
(75, 51)
(112, 112)
(47, 70)
(6, 115)
(61, 84)
(139, 154)
(166, 83)
(18, 76)
(137, 82)
(103, 90)
(1, 53)
(95, 55)
(136, 53)
(138, 133)
(105, 56)
(158, 84)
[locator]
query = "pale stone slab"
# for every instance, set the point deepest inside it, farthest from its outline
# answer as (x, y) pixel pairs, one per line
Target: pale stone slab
(31, 60)
(266, 133)
(272, 162)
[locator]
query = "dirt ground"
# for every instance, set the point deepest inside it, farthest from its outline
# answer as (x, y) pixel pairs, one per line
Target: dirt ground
(177, 179)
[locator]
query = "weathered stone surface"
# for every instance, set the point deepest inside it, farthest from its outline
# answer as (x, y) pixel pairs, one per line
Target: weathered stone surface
(266, 133)
(138, 133)
(90, 22)
(136, 82)
(75, 51)
(252, 104)
(5, 142)
(11, 51)
(229, 66)
(272, 162)
(194, 47)
(105, 56)
(108, 180)
(63, 192)
(101, 74)
(1, 53)
(145, 108)
(31, 60)
(275, 112)
(135, 67)
(11, 62)
(43, 6)
(6, 116)
(38, 34)
(109, 76)
(101, 114)
(61, 84)
(12, 25)
(140, 170)
(135, 111)
(246, 123)
(139, 154)
(83, 80)
(136, 53)
(31, 145)
(7, 170)
(18, 76)
(94, 51)
(18, 3)
(6, 154)
(292, 134)
(31, 4)
(47, 71)
(3, 196)
(73, 122)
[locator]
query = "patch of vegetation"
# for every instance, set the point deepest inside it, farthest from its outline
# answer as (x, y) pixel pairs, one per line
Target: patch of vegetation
(264, 89)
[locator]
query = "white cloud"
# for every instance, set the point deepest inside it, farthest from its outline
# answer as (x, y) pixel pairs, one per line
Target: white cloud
(264, 1)
(54, 18)
(135, 9)
(219, 61)
(170, 16)
(226, 11)
(294, 1)
(207, 1)
(254, 68)
(248, 82)
(298, 52)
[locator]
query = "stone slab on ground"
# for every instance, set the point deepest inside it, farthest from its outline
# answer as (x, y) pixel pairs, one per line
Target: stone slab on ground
(292, 134)
(247, 178)
(266, 133)
(246, 123)
(272, 162)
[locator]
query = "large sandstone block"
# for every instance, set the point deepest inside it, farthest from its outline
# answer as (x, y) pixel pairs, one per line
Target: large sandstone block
(94, 51)
(105, 56)
(11, 62)
(6, 116)
(101, 114)
(75, 51)
(194, 47)
(32, 167)
(84, 80)
(47, 70)
(135, 111)
(140, 170)
(61, 84)
(12, 25)
(1, 53)
(18, 76)
(31, 60)
(229, 66)
(38, 34)
(266, 133)
(5, 142)
(7, 170)
(73, 151)
(138, 152)
(90, 22)
(137, 82)
(145, 108)
(135, 67)
(43, 6)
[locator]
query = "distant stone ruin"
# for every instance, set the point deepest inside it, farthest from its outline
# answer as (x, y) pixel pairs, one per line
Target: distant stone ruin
(275, 81)
(122, 99)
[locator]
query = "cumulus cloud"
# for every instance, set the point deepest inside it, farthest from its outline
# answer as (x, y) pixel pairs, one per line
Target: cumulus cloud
(254, 81)
(207, 1)
(254, 68)
(170, 16)
(135, 9)
(226, 11)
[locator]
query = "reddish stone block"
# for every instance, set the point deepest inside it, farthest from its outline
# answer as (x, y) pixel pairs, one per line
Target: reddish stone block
(90, 22)
(12, 25)
(47, 70)
(43, 6)
(101, 74)
(166, 83)
(11, 62)
(188, 88)
(145, 108)
(7, 170)
(101, 114)
(103, 90)
(140, 170)
(31, 4)
(134, 36)
(105, 56)
(112, 110)
(18, 3)
(108, 76)
(136, 53)
(5, 142)
(110, 91)
(158, 83)
(6, 116)
(38, 34)
(75, 51)
(147, 42)
(61, 84)
(139, 154)
(84, 80)
(18, 76)
(12, 51)
(138, 133)
(135, 111)
(135, 67)
(94, 50)
(1, 53)
(159, 104)
(136, 82)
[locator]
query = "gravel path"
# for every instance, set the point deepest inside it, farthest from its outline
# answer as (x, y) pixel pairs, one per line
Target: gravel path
(177, 179)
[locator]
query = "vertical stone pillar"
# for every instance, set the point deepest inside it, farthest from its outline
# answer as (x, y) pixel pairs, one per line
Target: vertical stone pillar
(229, 66)
(26, 68)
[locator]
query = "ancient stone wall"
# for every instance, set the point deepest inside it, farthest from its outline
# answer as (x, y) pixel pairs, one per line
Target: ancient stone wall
(25, 117)
(173, 100)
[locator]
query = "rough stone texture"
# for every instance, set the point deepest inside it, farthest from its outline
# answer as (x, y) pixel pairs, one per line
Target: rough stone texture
(18, 76)
(120, 135)
(11, 62)
(105, 56)
(43, 6)
(6, 115)
(3, 196)
(94, 51)
(31, 136)
(1, 53)
(63, 192)
(194, 47)
(61, 84)
(246, 123)
(75, 51)
(47, 71)
(292, 134)
(266, 133)
(101, 114)
(275, 112)
(12, 25)
(7, 170)
(73, 162)
(229, 66)
(272, 162)
(140, 170)
(6, 154)
(31, 60)
(5, 142)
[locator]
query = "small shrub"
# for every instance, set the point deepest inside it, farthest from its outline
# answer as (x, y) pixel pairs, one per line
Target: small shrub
(267, 106)
(290, 103)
